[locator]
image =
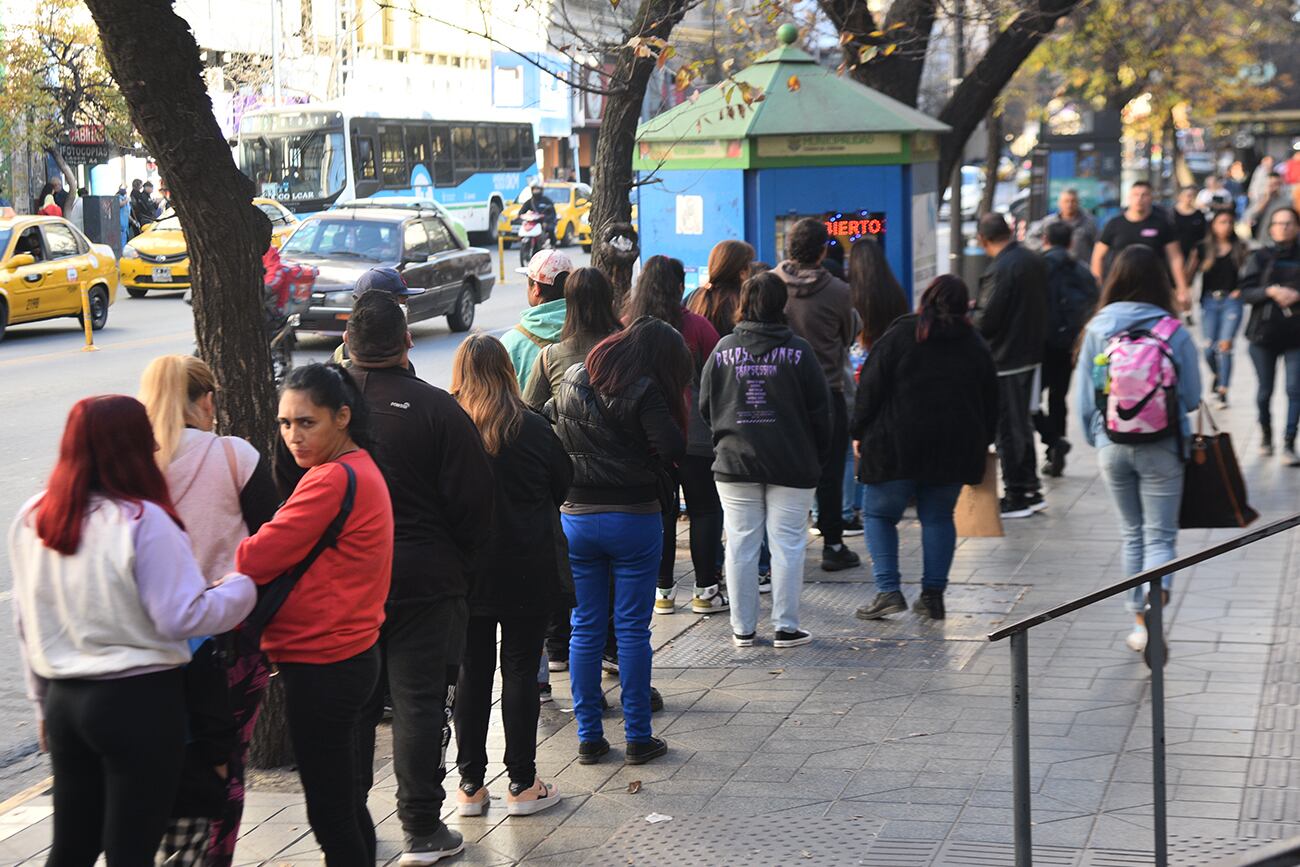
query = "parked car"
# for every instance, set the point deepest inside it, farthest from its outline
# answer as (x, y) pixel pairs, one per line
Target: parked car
(972, 189)
(344, 243)
(572, 203)
(45, 263)
(412, 203)
(158, 259)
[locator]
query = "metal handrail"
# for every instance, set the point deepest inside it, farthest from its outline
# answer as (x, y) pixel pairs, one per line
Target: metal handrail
(1019, 634)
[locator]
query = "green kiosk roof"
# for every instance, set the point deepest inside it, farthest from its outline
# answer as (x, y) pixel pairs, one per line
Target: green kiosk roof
(809, 115)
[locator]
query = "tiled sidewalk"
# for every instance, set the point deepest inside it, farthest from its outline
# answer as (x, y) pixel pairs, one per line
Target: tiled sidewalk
(889, 743)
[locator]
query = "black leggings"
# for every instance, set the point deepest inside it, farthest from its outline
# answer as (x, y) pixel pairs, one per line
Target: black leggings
(695, 477)
(116, 747)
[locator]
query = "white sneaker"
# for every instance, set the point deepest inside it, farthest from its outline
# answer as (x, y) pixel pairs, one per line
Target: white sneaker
(709, 600)
(665, 600)
(1137, 639)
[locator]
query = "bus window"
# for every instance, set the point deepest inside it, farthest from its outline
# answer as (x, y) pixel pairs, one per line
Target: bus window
(510, 147)
(442, 168)
(489, 151)
(464, 150)
(363, 149)
(527, 150)
(417, 147)
(392, 158)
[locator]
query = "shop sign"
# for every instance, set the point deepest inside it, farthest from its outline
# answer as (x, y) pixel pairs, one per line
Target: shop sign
(830, 144)
(704, 149)
(86, 154)
(852, 225)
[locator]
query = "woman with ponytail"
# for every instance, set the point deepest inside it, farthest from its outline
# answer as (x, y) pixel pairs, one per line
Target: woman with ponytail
(925, 414)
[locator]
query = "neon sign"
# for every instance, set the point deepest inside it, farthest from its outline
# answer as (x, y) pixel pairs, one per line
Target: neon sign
(853, 225)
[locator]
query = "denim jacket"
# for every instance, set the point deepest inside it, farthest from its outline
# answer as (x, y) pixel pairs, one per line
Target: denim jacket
(1122, 316)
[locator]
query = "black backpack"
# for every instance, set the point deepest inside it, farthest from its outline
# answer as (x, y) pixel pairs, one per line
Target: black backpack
(1071, 298)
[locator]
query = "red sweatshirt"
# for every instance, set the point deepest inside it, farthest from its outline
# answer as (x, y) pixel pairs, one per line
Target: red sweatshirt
(336, 609)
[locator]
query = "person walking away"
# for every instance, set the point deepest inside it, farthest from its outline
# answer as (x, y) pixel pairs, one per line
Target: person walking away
(106, 594)
(540, 325)
(1257, 189)
(764, 394)
(1011, 314)
(1142, 224)
(1276, 196)
(622, 419)
(926, 413)
(1214, 196)
(820, 310)
(718, 299)
(658, 293)
(1270, 284)
(1083, 228)
(516, 585)
(588, 319)
(1071, 298)
(1132, 348)
(222, 489)
(1189, 228)
(323, 639)
(1221, 257)
(441, 484)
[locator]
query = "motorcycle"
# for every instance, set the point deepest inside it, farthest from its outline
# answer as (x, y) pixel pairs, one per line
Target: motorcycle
(532, 235)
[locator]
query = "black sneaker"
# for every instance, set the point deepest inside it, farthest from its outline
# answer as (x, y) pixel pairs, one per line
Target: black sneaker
(544, 693)
(1266, 442)
(930, 604)
(765, 582)
(743, 640)
(590, 752)
(431, 849)
(791, 638)
(656, 701)
(838, 559)
(884, 603)
(640, 752)
(853, 526)
(609, 664)
(1022, 505)
(1055, 466)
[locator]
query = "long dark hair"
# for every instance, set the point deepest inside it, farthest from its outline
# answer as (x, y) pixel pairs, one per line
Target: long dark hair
(1210, 247)
(658, 291)
(331, 386)
(876, 294)
(763, 299)
(945, 305)
(648, 347)
(719, 299)
(1138, 274)
(588, 305)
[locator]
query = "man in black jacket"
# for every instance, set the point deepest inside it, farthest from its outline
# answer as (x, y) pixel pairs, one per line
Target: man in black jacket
(1011, 313)
(432, 457)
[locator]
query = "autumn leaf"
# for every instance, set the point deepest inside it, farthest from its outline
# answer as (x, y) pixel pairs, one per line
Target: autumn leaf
(731, 112)
(682, 79)
(613, 4)
(898, 25)
(634, 787)
(876, 34)
(793, 83)
(728, 63)
(665, 54)
(846, 37)
(866, 52)
(890, 49)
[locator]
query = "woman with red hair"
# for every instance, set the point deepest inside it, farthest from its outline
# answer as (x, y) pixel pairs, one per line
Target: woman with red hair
(106, 594)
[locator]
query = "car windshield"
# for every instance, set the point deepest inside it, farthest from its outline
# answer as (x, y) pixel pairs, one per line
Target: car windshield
(553, 192)
(367, 240)
(5, 235)
(168, 220)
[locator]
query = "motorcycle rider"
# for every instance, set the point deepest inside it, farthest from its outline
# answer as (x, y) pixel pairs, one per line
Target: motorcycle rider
(541, 204)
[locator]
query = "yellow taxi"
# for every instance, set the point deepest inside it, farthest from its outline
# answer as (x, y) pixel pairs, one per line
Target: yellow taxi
(45, 263)
(572, 202)
(158, 259)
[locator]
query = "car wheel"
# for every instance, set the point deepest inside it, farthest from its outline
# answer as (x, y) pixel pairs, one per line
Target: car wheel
(4, 319)
(461, 318)
(136, 293)
(98, 300)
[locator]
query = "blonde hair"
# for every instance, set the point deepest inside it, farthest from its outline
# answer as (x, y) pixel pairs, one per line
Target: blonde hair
(169, 388)
(483, 383)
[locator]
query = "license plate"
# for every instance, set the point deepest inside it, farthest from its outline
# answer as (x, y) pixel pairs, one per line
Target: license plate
(162, 275)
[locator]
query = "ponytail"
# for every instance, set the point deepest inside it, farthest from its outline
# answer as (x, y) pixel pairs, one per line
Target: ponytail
(331, 386)
(169, 388)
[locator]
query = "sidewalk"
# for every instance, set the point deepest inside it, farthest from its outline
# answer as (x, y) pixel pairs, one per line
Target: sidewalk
(888, 743)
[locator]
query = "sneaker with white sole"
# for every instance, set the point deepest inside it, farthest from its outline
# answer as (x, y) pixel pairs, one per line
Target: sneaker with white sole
(527, 800)
(709, 600)
(791, 638)
(665, 600)
(557, 665)
(743, 640)
(764, 582)
(471, 799)
(1137, 639)
(421, 851)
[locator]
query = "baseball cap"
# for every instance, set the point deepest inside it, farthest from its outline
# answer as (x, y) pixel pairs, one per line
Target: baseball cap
(546, 265)
(384, 280)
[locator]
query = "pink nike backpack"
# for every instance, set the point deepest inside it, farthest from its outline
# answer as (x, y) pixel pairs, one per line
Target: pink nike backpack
(1137, 395)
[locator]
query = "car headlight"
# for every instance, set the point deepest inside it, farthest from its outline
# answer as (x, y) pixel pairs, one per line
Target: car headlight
(129, 252)
(585, 219)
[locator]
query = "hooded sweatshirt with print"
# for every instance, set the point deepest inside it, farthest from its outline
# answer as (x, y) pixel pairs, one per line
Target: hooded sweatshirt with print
(765, 397)
(538, 327)
(820, 310)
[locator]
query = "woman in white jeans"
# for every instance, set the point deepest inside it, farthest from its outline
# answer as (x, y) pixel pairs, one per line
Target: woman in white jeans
(766, 400)
(1145, 479)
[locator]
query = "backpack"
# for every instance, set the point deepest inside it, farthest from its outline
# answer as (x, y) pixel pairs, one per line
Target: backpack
(1136, 384)
(287, 285)
(1072, 294)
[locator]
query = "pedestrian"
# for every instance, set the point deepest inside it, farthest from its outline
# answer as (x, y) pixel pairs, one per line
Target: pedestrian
(622, 419)
(718, 299)
(926, 412)
(1141, 224)
(323, 639)
(106, 594)
(765, 397)
(441, 485)
(1257, 190)
(222, 489)
(1221, 256)
(123, 216)
(820, 311)
(1270, 284)
(385, 279)
(1140, 456)
(540, 325)
(1214, 196)
(49, 208)
(658, 293)
(1276, 196)
(588, 319)
(1011, 314)
(1189, 229)
(516, 585)
(1083, 228)
(1071, 298)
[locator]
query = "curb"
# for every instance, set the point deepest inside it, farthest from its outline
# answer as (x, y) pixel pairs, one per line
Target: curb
(27, 794)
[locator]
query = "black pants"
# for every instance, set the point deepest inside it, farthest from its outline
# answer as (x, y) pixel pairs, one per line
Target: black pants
(334, 744)
(116, 748)
(521, 653)
(1016, 433)
(1057, 369)
(557, 635)
(421, 644)
(695, 478)
(830, 487)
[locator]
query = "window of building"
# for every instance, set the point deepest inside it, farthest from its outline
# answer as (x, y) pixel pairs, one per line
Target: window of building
(392, 157)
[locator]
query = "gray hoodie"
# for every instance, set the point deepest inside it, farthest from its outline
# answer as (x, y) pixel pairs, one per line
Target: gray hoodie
(820, 310)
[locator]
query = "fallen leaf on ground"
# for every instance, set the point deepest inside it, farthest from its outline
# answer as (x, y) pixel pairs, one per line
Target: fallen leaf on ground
(634, 787)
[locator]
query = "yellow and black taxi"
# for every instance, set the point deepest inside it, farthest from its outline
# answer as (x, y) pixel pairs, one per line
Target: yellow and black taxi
(157, 258)
(572, 202)
(46, 263)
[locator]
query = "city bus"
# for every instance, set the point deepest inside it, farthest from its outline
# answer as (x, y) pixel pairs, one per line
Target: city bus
(308, 157)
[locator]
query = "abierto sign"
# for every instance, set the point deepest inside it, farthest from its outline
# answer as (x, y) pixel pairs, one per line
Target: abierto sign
(830, 144)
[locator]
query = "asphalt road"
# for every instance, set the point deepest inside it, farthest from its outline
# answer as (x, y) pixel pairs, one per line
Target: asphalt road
(43, 372)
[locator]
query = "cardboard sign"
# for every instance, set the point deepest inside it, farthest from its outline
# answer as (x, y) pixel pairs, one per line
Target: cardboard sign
(978, 512)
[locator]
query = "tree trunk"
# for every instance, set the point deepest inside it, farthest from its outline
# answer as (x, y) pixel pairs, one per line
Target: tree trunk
(69, 177)
(611, 182)
(271, 747)
(992, 153)
(899, 74)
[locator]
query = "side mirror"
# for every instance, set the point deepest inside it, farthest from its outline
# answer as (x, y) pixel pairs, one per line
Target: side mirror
(410, 259)
(20, 260)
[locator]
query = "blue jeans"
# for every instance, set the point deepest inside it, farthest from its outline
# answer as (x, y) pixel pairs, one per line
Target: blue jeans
(882, 508)
(1146, 482)
(1265, 361)
(1220, 319)
(627, 547)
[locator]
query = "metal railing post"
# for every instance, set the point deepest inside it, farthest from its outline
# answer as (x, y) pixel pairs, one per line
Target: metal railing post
(1020, 749)
(1156, 654)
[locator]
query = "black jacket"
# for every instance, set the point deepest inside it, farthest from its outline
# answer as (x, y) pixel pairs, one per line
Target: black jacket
(1268, 324)
(211, 735)
(620, 446)
(439, 477)
(764, 395)
(1071, 297)
(515, 573)
(926, 411)
(1011, 308)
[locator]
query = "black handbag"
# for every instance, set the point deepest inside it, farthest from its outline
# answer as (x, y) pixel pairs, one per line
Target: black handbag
(1214, 492)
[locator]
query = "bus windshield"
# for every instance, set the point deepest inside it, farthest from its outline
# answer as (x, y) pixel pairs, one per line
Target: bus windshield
(295, 166)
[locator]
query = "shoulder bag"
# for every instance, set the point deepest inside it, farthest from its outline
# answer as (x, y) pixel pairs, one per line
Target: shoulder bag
(1214, 492)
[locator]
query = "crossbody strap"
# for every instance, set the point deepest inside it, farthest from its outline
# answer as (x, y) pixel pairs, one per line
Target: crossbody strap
(232, 463)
